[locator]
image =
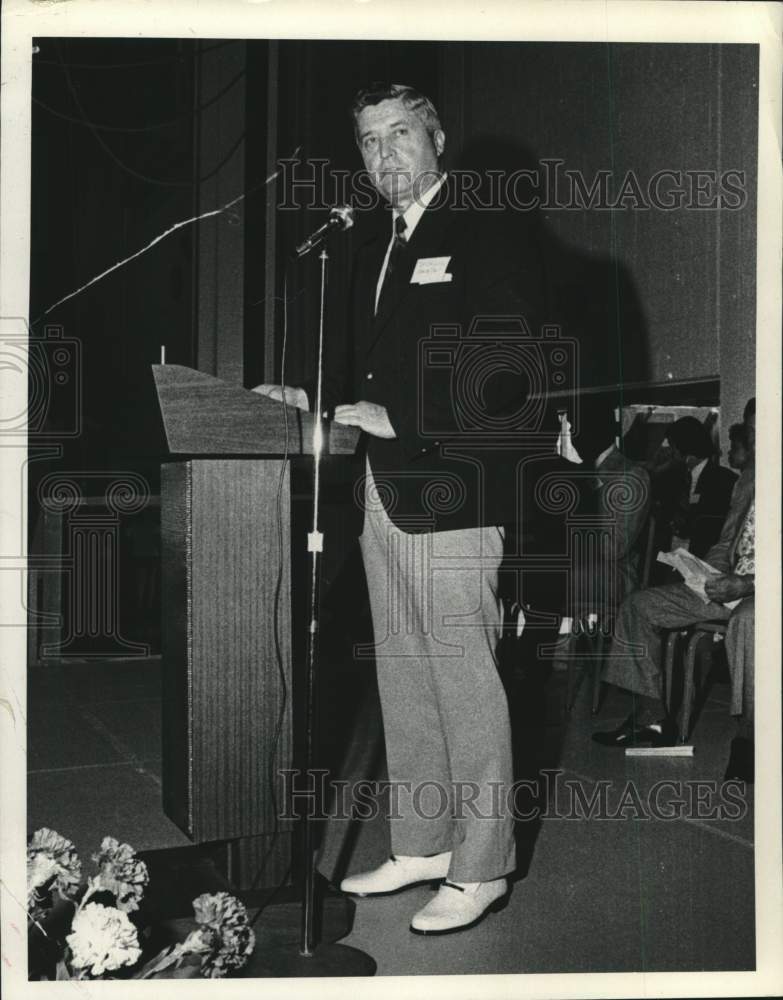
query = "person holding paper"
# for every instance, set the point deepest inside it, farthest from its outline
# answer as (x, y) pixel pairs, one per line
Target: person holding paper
(635, 657)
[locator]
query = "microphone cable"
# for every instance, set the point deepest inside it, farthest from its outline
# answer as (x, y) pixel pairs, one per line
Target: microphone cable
(279, 658)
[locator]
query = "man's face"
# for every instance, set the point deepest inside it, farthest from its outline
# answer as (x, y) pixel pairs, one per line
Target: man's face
(398, 152)
(738, 455)
(677, 456)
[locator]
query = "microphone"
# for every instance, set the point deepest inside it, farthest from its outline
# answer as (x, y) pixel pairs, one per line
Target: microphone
(340, 217)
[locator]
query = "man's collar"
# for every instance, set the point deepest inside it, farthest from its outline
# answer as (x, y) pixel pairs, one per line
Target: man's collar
(417, 207)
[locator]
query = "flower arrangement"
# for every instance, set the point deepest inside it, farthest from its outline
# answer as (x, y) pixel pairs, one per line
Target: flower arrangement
(104, 939)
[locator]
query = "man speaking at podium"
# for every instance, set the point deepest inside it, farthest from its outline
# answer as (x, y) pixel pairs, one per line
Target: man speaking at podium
(432, 534)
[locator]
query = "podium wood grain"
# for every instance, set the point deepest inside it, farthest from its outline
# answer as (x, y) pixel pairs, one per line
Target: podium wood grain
(226, 654)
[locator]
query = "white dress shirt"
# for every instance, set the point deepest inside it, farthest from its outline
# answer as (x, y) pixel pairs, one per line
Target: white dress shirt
(696, 471)
(412, 214)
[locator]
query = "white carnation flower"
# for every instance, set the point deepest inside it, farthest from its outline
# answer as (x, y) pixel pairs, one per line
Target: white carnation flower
(40, 869)
(102, 939)
(225, 939)
(121, 873)
(52, 863)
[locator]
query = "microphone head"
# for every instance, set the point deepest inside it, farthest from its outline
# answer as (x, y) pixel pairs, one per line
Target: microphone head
(343, 214)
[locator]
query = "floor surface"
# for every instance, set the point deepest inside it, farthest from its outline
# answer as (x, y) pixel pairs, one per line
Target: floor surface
(628, 890)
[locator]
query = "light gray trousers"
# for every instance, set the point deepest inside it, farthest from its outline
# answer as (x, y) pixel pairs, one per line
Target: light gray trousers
(437, 620)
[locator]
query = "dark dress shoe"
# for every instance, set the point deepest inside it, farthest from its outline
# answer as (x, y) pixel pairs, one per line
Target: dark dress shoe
(661, 734)
(740, 766)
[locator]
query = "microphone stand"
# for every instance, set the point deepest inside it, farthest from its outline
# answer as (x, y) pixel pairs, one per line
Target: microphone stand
(311, 958)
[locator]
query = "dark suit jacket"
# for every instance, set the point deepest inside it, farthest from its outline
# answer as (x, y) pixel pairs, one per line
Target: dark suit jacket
(700, 522)
(453, 362)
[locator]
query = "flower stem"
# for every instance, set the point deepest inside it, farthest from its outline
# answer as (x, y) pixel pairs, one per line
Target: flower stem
(162, 961)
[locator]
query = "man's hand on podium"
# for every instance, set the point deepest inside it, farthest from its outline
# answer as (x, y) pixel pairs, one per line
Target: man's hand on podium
(370, 417)
(294, 396)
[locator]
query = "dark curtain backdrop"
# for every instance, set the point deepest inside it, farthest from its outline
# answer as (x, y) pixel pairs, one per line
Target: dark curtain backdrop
(681, 279)
(112, 166)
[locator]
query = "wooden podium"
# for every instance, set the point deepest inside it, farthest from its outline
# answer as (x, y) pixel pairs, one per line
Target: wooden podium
(226, 638)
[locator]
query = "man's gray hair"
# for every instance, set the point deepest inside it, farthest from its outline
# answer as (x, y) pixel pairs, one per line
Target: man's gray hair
(412, 100)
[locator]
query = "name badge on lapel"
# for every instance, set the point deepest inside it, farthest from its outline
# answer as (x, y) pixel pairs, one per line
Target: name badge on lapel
(430, 270)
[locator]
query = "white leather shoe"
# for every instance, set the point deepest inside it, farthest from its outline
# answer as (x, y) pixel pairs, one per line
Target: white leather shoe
(397, 873)
(459, 905)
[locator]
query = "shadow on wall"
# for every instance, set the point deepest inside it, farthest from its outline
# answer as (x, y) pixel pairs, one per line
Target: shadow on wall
(591, 296)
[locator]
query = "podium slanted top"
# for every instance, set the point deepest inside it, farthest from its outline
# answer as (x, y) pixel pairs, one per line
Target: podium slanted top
(203, 415)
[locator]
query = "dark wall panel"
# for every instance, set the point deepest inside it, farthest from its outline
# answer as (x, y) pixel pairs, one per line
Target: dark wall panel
(683, 279)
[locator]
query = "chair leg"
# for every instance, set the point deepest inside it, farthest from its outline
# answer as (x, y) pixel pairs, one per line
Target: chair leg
(598, 664)
(571, 664)
(688, 685)
(668, 670)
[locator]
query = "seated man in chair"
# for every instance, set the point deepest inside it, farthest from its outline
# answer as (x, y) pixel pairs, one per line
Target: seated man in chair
(703, 504)
(619, 490)
(635, 657)
(739, 453)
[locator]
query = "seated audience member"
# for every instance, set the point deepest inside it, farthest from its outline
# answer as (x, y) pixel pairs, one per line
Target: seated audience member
(703, 492)
(634, 662)
(739, 453)
(620, 492)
